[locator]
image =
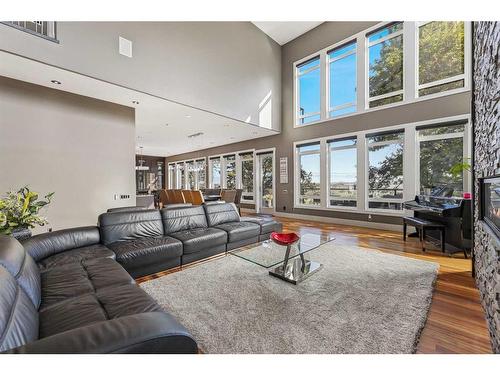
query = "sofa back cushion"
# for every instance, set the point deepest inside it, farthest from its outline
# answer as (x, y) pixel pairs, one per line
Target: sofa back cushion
(123, 226)
(221, 213)
(44, 245)
(184, 218)
(19, 295)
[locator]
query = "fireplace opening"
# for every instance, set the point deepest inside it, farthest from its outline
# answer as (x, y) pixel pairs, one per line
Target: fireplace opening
(490, 203)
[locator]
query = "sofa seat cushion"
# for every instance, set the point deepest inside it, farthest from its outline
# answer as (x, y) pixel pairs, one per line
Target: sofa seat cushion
(239, 231)
(77, 279)
(75, 256)
(195, 240)
(144, 251)
(267, 225)
(93, 291)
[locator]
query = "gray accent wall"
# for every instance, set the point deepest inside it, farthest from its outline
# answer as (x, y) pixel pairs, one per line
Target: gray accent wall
(320, 37)
(487, 164)
(228, 68)
(80, 148)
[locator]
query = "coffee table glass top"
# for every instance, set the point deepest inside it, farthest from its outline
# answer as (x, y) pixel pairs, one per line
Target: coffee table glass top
(268, 254)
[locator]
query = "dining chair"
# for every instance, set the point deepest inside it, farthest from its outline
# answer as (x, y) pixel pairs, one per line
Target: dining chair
(197, 198)
(178, 197)
(228, 196)
(237, 199)
(163, 198)
(187, 196)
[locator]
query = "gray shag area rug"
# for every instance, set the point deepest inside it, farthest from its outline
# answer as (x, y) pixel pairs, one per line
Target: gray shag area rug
(362, 301)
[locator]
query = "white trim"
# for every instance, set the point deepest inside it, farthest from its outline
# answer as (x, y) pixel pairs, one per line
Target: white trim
(349, 222)
(410, 67)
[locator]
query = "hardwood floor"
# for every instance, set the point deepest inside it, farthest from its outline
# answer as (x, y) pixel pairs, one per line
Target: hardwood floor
(456, 322)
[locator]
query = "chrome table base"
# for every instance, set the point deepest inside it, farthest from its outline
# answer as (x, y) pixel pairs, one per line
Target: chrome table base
(295, 270)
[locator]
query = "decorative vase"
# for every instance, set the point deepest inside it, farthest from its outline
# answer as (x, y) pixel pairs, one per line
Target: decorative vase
(21, 234)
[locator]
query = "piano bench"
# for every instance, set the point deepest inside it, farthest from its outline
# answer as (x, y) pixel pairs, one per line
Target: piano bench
(422, 225)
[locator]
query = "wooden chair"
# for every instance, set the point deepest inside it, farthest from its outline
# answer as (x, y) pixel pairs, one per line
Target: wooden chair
(163, 198)
(187, 196)
(178, 197)
(228, 196)
(237, 199)
(197, 198)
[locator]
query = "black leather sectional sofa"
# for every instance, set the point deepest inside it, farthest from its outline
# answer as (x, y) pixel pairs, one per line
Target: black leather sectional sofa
(72, 291)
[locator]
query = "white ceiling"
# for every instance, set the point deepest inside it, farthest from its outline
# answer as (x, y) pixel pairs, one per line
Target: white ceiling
(162, 126)
(283, 32)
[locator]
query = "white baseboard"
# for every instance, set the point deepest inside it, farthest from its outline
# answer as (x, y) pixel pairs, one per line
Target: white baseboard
(335, 220)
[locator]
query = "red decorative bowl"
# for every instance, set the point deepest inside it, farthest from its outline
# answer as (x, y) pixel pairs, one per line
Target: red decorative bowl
(284, 239)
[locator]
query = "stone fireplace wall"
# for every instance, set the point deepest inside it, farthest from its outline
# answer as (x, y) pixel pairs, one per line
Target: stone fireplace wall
(486, 75)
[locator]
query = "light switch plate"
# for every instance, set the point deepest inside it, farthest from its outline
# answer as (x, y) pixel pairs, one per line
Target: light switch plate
(125, 47)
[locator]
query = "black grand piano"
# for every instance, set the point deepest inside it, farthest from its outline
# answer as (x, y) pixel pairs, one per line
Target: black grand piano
(454, 213)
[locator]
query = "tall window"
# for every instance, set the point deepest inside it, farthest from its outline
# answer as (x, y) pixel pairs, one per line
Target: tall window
(441, 153)
(45, 29)
(215, 180)
(440, 57)
(191, 177)
(247, 171)
(171, 176)
(308, 91)
(309, 178)
(181, 176)
(201, 173)
(343, 172)
(385, 58)
(342, 82)
(230, 171)
(385, 170)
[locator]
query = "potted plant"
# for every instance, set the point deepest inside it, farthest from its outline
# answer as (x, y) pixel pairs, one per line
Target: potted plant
(19, 212)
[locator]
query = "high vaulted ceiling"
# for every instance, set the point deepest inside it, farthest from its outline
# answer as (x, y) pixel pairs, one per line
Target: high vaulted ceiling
(163, 127)
(283, 32)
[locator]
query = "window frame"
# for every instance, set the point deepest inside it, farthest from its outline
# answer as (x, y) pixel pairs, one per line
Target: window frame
(367, 172)
(466, 151)
(297, 158)
(239, 174)
(410, 68)
(410, 162)
(329, 61)
(464, 76)
(401, 91)
(328, 174)
(177, 183)
(298, 117)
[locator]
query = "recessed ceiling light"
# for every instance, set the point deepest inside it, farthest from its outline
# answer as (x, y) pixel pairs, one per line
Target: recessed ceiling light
(166, 124)
(188, 116)
(55, 82)
(231, 138)
(226, 125)
(135, 102)
(254, 132)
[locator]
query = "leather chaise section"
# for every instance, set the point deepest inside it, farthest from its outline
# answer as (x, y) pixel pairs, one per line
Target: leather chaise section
(146, 250)
(221, 213)
(181, 219)
(76, 256)
(239, 231)
(195, 240)
(266, 225)
(22, 268)
(153, 332)
(18, 316)
(125, 226)
(47, 244)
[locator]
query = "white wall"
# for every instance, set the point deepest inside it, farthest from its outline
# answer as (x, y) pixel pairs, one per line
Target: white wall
(81, 148)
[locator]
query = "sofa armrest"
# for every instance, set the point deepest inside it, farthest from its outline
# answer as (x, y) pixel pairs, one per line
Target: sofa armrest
(152, 332)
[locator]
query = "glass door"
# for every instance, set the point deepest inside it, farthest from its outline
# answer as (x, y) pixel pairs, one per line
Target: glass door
(265, 200)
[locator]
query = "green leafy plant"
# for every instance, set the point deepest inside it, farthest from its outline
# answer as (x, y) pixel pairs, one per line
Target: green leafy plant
(457, 169)
(19, 210)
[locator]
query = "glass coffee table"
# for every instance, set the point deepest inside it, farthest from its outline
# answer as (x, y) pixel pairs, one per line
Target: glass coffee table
(297, 268)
